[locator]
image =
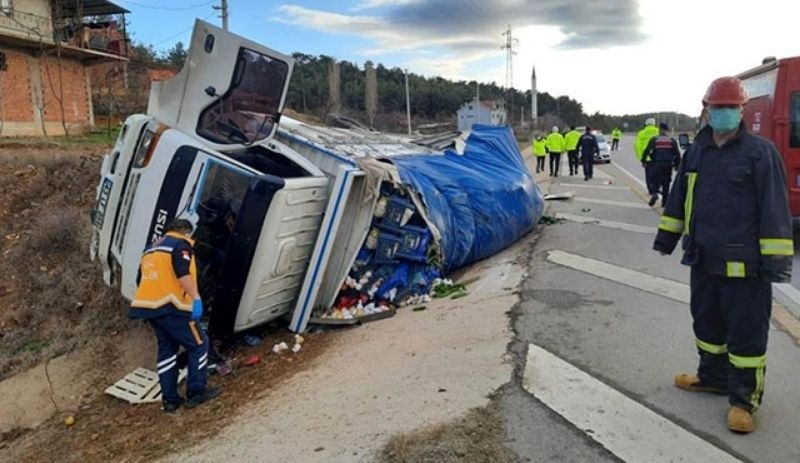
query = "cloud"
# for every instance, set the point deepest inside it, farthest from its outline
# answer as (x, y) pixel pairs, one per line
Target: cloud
(368, 4)
(475, 25)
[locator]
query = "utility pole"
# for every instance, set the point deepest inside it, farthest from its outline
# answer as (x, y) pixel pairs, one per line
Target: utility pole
(408, 105)
(477, 91)
(223, 13)
(509, 46)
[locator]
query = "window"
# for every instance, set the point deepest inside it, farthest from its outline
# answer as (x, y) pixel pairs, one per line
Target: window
(221, 197)
(794, 124)
(248, 111)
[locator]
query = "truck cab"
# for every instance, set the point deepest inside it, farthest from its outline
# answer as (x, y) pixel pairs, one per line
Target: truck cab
(205, 151)
(773, 111)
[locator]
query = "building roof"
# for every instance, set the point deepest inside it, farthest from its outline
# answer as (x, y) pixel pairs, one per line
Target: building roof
(90, 7)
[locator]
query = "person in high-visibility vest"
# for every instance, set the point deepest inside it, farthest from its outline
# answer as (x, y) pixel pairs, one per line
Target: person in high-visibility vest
(616, 134)
(555, 145)
(730, 209)
(539, 151)
(571, 140)
(643, 137)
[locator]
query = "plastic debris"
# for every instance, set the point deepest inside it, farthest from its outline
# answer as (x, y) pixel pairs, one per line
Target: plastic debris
(252, 360)
(299, 339)
(251, 340)
(280, 347)
(296, 348)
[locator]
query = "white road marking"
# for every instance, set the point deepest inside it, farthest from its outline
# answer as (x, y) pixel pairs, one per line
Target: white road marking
(607, 223)
(625, 427)
(631, 175)
(661, 286)
(612, 202)
(594, 185)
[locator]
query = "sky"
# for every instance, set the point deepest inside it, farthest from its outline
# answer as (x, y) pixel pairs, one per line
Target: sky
(614, 56)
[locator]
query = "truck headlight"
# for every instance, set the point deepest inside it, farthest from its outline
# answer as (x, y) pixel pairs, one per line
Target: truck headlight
(147, 145)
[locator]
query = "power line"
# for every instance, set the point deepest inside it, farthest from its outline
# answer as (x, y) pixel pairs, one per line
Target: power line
(167, 8)
(180, 33)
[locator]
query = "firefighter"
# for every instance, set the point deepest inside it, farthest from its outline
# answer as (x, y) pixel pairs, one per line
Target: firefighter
(588, 148)
(660, 157)
(643, 137)
(616, 133)
(571, 142)
(555, 146)
(168, 298)
(729, 203)
(540, 152)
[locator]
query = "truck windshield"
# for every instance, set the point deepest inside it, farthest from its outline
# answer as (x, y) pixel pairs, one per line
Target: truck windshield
(220, 199)
(248, 111)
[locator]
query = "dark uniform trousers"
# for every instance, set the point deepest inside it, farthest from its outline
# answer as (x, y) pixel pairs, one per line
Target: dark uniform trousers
(731, 324)
(588, 166)
(539, 163)
(572, 158)
(658, 176)
(555, 163)
(173, 331)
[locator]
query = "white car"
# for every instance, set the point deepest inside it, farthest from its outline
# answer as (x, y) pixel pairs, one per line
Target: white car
(605, 149)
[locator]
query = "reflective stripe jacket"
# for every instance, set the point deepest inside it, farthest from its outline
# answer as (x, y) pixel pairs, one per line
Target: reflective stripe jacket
(642, 138)
(616, 133)
(160, 292)
(556, 143)
(571, 140)
(731, 205)
(662, 148)
(539, 147)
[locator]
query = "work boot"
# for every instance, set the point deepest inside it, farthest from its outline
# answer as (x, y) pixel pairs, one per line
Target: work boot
(653, 199)
(692, 383)
(171, 407)
(740, 420)
(198, 399)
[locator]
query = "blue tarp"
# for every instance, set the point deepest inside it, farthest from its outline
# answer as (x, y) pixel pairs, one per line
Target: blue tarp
(480, 201)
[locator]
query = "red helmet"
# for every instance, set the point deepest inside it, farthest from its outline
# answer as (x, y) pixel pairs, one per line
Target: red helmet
(725, 91)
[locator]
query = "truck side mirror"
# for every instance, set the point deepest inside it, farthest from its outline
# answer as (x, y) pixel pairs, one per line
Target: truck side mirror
(683, 140)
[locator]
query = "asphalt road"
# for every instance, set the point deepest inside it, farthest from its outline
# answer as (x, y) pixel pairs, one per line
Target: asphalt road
(626, 338)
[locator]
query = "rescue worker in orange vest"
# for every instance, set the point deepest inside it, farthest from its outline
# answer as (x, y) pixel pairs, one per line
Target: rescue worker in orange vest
(730, 207)
(660, 157)
(169, 300)
(571, 142)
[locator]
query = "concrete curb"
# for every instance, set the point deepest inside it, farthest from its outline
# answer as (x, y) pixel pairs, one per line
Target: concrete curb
(788, 296)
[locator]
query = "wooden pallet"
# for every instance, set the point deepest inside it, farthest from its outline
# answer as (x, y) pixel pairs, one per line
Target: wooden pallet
(140, 386)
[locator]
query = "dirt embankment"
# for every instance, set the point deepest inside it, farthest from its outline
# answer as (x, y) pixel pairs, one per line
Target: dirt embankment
(53, 301)
(51, 297)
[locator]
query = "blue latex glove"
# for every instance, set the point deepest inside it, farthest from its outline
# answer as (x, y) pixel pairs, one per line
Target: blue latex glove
(197, 309)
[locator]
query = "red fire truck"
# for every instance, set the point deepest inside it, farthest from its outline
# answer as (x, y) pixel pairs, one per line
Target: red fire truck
(773, 111)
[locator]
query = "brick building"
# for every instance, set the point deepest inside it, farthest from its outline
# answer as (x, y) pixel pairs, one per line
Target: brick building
(46, 49)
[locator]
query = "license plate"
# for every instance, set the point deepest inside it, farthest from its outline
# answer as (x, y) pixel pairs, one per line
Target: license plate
(102, 202)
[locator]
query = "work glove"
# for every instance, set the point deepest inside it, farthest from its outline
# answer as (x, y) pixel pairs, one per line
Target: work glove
(197, 309)
(776, 269)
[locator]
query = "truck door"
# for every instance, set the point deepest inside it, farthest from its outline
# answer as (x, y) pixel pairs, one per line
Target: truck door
(230, 92)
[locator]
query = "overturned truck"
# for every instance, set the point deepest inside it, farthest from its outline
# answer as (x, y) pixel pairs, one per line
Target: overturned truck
(295, 220)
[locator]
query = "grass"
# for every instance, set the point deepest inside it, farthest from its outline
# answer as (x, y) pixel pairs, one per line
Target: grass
(476, 437)
(98, 137)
